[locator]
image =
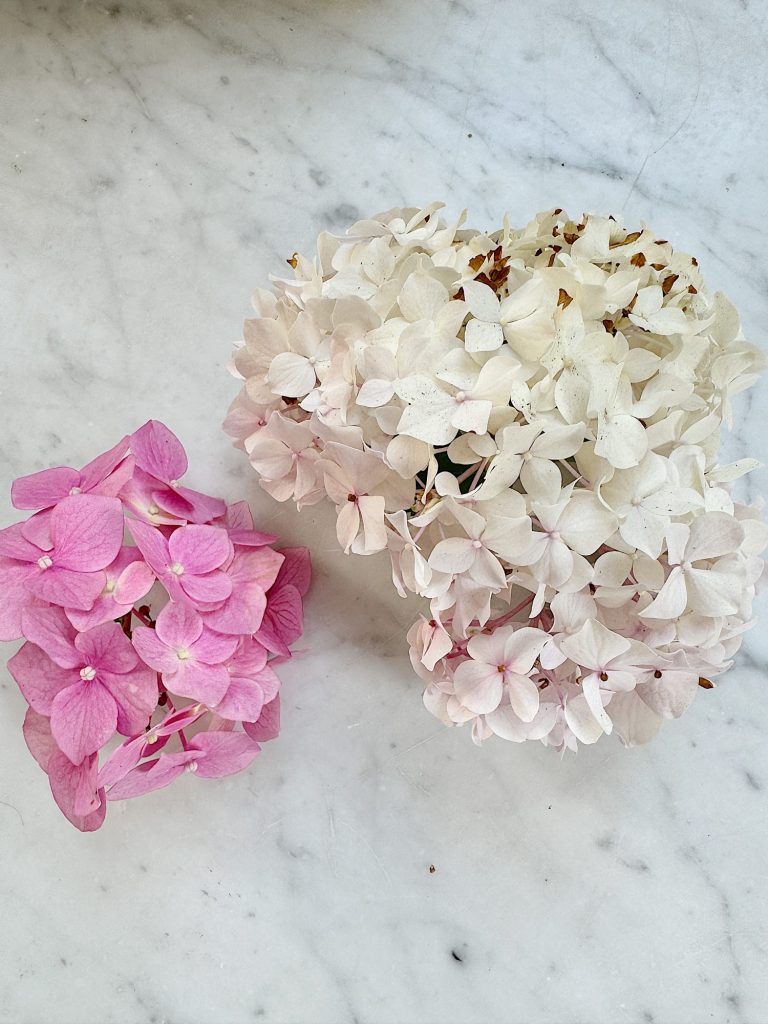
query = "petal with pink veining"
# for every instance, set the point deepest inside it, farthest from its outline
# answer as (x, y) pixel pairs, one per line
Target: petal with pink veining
(242, 702)
(37, 736)
(135, 694)
(225, 753)
(268, 725)
(107, 647)
(83, 718)
(178, 625)
(87, 532)
(44, 489)
(97, 470)
(158, 451)
(199, 549)
(74, 790)
(67, 587)
(204, 683)
(152, 544)
(153, 651)
(49, 628)
(39, 678)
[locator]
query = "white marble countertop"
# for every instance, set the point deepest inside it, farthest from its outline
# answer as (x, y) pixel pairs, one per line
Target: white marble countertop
(158, 159)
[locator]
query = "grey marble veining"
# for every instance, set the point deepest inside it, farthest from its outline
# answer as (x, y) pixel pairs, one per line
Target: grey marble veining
(157, 160)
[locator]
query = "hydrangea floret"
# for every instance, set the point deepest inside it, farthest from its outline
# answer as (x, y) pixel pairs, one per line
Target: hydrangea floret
(153, 618)
(528, 421)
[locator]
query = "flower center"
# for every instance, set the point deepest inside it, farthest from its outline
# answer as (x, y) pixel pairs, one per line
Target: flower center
(527, 457)
(461, 396)
(88, 673)
(75, 490)
(501, 668)
(192, 766)
(177, 569)
(477, 543)
(109, 587)
(152, 509)
(45, 562)
(182, 654)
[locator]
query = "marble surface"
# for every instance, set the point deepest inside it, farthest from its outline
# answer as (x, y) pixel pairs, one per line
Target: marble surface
(157, 159)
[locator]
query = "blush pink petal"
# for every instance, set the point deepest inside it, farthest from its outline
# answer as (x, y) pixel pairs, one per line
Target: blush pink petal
(200, 508)
(49, 628)
(133, 583)
(37, 529)
(67, 587)
(199, 548)
(251, 538)
(204, 683)
(122, 759)
(13, 544)
(242, 612)
(268, 725)
(39, 679)
(225, 753)
(87, 532)
(74, 790)
(37, 736)
(296, 569)
(43, 489)
(135, 694)
(83, 718)
(158, 451)
(153, 775)
(106, 647)
(213, 648)
(178, 625)
(16, 596)
(243, 700)
(153, 651)
(143, 495)
(100, 469)
(152, 544)
(208, 588)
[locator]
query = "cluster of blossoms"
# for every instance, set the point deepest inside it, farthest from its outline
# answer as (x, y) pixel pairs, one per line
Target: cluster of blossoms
(191, 689)
(528, 421)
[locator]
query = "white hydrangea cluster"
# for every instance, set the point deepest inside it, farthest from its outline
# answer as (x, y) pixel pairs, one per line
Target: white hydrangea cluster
(528, 421)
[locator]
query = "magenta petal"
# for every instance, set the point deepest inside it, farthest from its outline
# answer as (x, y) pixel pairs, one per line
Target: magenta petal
(153, 651)
(43, 489)
(135, 694)
(296, 569)
(242, 612)
(178, 720)
(285, 613)
(13, 544)
(268, 725)
(207, 589)
(152, 544)
(158, 451)
(74, 790)
(49, 628)
(213, 648)
(243, 701)
(225, 753)
(66, 587)
(178, 625)
(152, 775)
(83, 718)
(199, 548)
(37, 736)
(87, 532)
(15, 596)
(138, 495)
(106, 647)
(238, 516)
(204, 683)
(98, 469)
(133, 583)
(39, 678)
(202, 507)
(122, 759)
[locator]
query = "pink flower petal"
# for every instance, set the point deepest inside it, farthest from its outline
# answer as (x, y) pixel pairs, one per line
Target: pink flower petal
(213, 648)
(268, 725)
(37, 736)
(153, 651)
(242, 612)
(16, 596)
(74, 790)
(178, 625)
(285, 613)
(43, 489)
(134, 582)
(204, 508)
(158, 451)
(87, 532)
(243, 700)
(225, 753)
(122, 759)
(139, 496)
(249, 658)
(67, 587)
(135, 694)
(39, 678)
(106, 647)
(100, 468)
(152, 544)
(13, 544)
(199, 548)
(83, 718)
(296, 569)
(49, 628)
(152, 775)
(37, 529)
(204, 683)
(210, 588)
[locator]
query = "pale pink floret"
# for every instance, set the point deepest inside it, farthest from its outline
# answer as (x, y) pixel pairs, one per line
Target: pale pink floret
(188, 655)
(86, 532)
(106, 474)
(89, 684)
(187, 563)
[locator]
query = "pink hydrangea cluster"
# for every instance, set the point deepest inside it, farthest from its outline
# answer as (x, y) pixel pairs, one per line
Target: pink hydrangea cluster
(150, 613)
